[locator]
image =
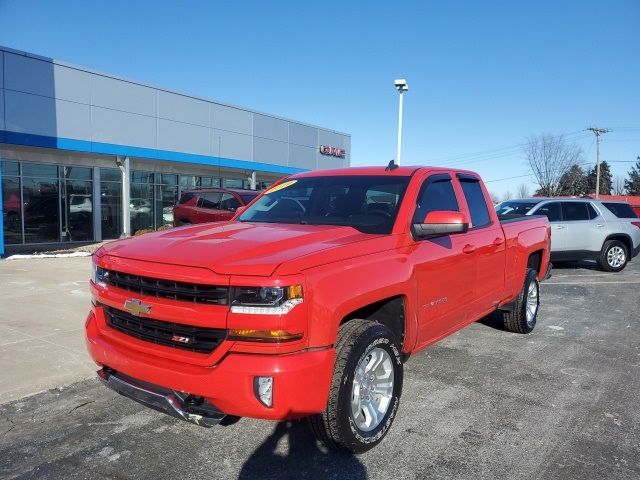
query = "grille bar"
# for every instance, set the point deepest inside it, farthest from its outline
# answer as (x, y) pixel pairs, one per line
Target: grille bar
(182, 291)
(177, 335)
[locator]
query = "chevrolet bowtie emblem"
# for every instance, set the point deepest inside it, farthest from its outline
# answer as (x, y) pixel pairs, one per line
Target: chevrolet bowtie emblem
(136, 307)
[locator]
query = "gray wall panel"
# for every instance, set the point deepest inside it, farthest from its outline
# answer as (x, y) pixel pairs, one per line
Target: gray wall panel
(124, 96)
(303, 135)
(231, 145)
(182, 108)
(182, 137)
(269, 127)
(331, 139)
(270, 151)
(73, 120)
(27, 113)
(325, 162)
(303, 157)
(25, 74)
(111, 126)
(231, 119)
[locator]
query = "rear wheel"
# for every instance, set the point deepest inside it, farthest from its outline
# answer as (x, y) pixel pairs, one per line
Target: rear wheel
(522, 318)
(365, 389)
(614, 256)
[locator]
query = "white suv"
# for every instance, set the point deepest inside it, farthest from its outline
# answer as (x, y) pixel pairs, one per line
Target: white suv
(608, 232)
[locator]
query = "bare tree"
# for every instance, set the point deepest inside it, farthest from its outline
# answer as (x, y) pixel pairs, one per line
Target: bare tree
(523, 191)
(549, 157)
(619, 187)
(494, 198)
(507, 196)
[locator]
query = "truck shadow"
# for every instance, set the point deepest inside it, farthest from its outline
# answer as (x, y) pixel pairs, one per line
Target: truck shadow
(302, 459)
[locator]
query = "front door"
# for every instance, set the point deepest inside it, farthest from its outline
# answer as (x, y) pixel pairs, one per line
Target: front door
(553, 212)
(444, 268)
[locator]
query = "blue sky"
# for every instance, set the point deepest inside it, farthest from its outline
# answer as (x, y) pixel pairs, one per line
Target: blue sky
(483, 75)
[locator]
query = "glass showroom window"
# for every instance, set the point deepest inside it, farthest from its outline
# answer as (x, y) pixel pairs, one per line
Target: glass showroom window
(166, 196)
(11, 203)
(141, 207)
(76, 204)
(41, 201)
(110, 203)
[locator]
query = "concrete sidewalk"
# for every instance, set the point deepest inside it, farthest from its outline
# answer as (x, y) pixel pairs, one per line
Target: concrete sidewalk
(43, 304)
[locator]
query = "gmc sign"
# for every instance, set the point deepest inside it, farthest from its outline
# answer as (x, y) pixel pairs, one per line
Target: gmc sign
(332, 151)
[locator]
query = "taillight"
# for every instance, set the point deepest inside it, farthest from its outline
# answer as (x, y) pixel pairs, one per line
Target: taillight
(637, 224)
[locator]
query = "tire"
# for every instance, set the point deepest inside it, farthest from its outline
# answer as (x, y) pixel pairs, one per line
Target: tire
(613, 256)
(360, 343)
(523, 317)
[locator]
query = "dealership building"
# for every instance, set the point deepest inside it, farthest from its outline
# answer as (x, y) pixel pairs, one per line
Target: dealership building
(86, 156)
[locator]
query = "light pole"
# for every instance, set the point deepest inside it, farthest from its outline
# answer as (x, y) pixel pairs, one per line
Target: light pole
(401, 85)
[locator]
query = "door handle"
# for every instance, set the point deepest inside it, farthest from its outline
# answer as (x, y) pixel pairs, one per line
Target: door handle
(498, 241)
(559, 227)
(469, 249)
(599, 225)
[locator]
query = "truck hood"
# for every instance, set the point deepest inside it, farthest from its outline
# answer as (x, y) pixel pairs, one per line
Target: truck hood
(234, 248)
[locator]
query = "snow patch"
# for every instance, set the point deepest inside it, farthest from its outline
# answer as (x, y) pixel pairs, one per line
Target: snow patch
(49, 255)
(555, 327)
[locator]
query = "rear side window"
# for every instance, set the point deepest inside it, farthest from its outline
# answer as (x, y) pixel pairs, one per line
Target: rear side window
(210, 200)
(436, 195)
(551, 210)
(248, 197)
(620, 210)
(476, 202)
(186, 196)
(229, 202)
(575, 211)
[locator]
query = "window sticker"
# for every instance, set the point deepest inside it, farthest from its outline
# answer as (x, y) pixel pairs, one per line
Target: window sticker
(281, 186)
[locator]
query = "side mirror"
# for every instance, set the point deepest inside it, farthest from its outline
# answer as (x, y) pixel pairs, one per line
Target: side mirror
(241, 209)
(439, 223)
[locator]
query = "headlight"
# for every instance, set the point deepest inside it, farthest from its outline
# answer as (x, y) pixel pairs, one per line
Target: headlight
(266, 300)
(100, 275)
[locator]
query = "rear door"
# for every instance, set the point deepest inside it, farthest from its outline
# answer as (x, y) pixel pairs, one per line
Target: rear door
(443, 270)
(208, 207)
(487, 238)
(229, 203)
(586, 229)
(553, 212)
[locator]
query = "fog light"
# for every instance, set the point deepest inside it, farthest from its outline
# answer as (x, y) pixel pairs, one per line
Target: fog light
(263, 390)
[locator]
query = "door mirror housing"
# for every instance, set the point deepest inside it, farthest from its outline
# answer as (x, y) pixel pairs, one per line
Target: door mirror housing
(440, 223)
(240, 209)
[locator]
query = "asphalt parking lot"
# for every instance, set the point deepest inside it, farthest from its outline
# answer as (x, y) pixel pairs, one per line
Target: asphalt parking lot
(561, 402)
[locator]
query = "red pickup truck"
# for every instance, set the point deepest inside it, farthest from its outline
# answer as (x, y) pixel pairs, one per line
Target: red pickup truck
(309, 302)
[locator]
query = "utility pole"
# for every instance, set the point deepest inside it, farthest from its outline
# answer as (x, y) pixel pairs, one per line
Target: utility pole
(598, 132)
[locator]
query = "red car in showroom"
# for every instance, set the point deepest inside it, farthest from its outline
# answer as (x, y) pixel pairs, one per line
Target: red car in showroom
(210, 205)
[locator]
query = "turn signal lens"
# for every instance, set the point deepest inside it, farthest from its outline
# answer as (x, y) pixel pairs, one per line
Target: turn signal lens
(267, 336)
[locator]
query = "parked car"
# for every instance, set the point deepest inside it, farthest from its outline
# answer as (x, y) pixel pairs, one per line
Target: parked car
(584, 229)
(310, 301)
(210, 205)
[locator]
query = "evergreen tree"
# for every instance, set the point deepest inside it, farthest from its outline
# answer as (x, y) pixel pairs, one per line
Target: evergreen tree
(606, 180)
(573, 182)
(632, 185)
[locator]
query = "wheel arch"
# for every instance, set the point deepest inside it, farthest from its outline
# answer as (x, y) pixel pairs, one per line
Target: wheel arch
(390, 312)
(621, 237)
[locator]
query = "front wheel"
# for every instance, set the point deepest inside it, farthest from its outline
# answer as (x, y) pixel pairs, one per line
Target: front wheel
(614, 256)
(365, 388)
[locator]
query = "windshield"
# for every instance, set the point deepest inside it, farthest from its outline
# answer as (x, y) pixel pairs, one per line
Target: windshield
(514, 208)
(366, 203)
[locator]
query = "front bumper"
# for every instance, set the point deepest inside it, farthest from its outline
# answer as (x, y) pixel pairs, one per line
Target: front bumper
(300, 380)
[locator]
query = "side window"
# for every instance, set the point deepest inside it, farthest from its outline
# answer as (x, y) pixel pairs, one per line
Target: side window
(575, 211)
(476, 202)
(593, 213)
(435, 195)
(229, 202)
(209, 200)
(551, 210)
